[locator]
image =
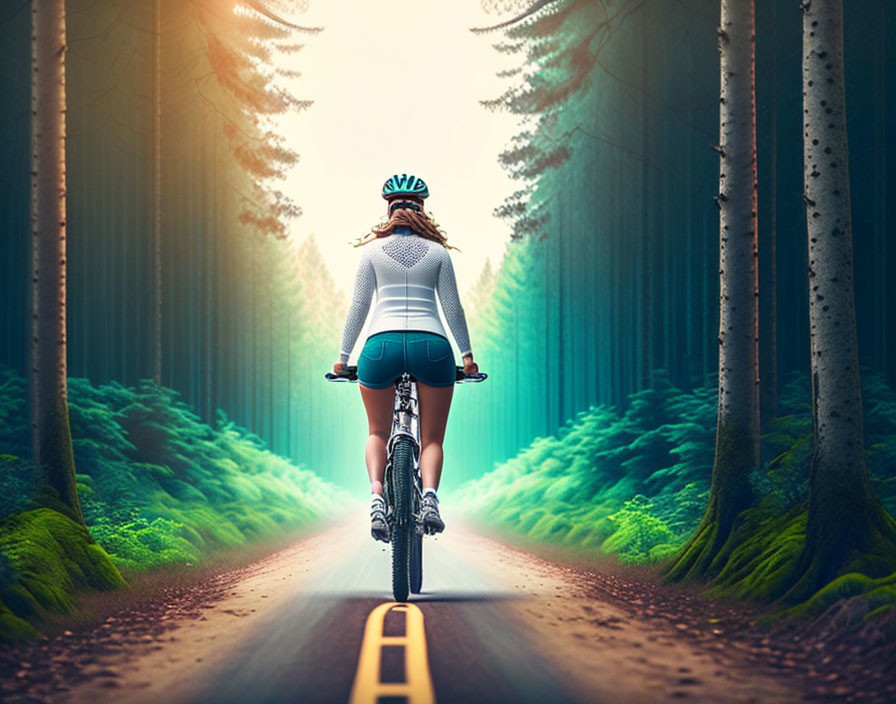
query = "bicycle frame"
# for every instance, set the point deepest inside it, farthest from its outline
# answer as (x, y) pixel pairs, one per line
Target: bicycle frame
(407, 565)
(405, 422)
(405, 416)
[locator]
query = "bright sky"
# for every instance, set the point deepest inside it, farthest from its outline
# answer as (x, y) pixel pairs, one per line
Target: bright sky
(396, 85)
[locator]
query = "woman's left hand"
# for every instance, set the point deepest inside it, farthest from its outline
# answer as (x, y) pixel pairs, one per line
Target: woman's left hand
(470, 367)
(339, 367)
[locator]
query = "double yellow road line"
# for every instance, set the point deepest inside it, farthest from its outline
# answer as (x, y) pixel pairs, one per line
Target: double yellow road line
(417, 687)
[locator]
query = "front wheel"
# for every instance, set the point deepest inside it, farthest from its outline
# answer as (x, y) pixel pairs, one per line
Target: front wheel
(416, 562)
(403, 533)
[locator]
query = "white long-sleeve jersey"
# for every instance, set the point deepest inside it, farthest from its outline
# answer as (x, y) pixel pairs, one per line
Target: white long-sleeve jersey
(405, 271)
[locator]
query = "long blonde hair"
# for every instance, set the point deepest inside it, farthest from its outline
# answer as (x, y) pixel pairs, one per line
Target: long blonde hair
(423, 223)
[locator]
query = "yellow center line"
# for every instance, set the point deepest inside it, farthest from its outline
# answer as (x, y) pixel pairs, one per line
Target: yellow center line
(417, 687)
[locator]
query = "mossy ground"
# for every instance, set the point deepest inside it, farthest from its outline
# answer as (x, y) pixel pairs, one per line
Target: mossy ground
(764, 565)
(707, 550)
(47, 558)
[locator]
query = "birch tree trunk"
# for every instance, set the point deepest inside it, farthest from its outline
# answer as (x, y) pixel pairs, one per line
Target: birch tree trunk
(768, 302)
(51, 435)
(737, 431)
(845, 522)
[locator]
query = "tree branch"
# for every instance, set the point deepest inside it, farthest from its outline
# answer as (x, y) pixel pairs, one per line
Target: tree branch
(261, 9)
(535, 7)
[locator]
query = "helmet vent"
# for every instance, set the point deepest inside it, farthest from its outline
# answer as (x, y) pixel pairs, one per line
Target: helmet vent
(407, 251)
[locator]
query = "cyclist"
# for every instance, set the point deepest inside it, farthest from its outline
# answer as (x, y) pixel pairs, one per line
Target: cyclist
(405, 266)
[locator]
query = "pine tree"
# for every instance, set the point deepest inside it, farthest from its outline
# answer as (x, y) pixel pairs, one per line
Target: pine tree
(737, 431)
(847, 528)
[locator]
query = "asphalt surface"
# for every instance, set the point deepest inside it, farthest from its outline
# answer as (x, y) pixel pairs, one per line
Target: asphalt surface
(309, 653)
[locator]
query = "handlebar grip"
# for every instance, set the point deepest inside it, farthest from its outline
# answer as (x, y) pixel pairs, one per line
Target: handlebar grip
(461, 377)
(351, 374)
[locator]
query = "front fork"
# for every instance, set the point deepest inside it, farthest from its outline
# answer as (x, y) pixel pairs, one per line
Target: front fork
(405, 423)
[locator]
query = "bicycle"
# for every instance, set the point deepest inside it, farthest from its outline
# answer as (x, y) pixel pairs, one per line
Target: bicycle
(402, 485)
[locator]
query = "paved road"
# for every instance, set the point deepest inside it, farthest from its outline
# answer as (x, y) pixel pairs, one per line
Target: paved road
(310, 653)
(495, 624)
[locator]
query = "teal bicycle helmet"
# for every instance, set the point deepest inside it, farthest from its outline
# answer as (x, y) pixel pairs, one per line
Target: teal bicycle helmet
(405, 185)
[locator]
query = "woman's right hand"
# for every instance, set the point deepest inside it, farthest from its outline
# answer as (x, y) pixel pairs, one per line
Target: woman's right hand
(470, 367)
(339, 367)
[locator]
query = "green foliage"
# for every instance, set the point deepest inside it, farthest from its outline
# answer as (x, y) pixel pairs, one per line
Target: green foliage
(16, 484)
(157, 486)
(640, 536)
(764, 565)
(161, 487)
(869, 597)
(785, 477)
(14, 629)
(46, 556)
(767, 547)
(634, 484)
(141, 544)
(879, 402)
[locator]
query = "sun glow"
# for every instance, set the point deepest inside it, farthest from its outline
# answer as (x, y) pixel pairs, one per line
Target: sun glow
(396, 86)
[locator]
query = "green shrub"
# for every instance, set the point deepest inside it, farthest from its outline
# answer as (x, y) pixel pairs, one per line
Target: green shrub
(161, 487)
(16, 484)
(638, 531)
(578, 488)
(157, 487)
(143, 544)
(635, 484)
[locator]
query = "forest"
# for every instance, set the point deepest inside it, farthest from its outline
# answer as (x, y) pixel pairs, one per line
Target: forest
(690, 337)
(629, 452)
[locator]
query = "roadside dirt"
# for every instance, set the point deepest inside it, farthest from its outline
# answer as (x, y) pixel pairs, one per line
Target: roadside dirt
(166, 650)
(623, 639)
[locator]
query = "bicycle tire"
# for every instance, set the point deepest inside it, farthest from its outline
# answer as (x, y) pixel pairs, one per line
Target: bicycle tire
(416, 565)
(402, 517)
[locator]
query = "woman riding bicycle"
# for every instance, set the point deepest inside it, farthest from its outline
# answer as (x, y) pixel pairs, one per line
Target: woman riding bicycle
(407, 264)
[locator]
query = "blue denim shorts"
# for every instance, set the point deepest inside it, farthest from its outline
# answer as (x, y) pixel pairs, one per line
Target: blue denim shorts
(387, 355)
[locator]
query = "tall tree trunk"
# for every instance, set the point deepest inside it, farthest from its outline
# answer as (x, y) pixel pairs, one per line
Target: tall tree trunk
(210, 269)
(692, 266)
(289, 356)
(647, 332)
(255, 417)
(51, 435)
(271, 386)
(157, 197)
(768, 331)
(737, 432)
(883, 330)
(845, 522)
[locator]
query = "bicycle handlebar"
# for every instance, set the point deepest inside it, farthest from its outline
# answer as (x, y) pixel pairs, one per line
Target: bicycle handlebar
(351, 374)
(475, 378)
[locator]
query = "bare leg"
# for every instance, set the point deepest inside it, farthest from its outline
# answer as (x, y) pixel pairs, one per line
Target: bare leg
(435, 402)
(378, 403)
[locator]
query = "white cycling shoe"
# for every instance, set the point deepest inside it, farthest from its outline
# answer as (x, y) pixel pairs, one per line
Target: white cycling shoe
(432, 521)
(379, 527)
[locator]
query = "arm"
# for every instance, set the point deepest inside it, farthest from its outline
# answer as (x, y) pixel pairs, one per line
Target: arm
(454, 312)
(365, 285)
